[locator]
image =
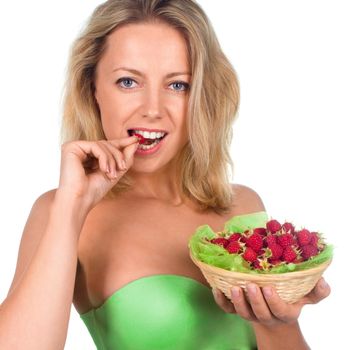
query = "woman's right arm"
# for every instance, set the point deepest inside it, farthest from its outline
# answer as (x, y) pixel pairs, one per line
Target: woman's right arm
(36, 311)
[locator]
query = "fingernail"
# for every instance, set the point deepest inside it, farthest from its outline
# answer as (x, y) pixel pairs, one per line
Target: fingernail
(214, 291)
(252, 289)
(235, 293)
(267, 291)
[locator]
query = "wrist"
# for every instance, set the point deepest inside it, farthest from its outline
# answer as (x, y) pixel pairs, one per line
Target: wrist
(68, 207)
(276, 328)
(284, 336)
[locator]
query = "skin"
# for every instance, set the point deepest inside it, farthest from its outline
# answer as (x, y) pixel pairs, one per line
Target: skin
(153, 100)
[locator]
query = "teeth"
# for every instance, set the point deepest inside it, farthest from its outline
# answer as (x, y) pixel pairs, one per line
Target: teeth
(150, 135)
(146, 147)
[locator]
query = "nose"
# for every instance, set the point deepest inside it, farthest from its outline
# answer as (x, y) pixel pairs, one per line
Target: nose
(152, 103)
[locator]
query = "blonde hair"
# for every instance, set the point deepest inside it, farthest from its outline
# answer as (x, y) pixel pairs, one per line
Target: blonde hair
(213, 96)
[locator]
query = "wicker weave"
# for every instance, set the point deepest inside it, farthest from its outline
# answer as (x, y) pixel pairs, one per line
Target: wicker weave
(291, 286)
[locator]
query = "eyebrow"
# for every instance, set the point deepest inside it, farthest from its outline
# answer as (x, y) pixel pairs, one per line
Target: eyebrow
(134, 71)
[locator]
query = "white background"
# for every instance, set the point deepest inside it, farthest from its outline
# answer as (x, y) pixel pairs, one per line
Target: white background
(293, 141)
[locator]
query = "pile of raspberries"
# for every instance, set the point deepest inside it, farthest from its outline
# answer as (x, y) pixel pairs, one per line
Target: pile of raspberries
(275, 244)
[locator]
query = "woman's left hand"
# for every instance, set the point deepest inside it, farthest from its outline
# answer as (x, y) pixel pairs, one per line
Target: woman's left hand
(265, 306)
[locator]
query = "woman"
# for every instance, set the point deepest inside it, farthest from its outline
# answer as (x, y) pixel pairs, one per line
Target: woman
(112, 238)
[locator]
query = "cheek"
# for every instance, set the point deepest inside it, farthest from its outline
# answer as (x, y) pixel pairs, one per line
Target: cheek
(115, 113)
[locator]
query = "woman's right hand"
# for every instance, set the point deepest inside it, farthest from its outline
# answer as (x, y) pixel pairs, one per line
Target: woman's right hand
(89, 169)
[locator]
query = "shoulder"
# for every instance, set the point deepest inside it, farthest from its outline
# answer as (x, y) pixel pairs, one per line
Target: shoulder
(46, 198)
(246, 200)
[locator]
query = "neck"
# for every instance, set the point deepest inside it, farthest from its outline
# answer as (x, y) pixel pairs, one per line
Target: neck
(162, 185)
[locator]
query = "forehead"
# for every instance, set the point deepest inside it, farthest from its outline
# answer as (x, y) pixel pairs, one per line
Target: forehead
(146, 46)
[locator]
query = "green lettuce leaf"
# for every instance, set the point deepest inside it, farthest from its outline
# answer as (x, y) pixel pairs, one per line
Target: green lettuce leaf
(216, 255)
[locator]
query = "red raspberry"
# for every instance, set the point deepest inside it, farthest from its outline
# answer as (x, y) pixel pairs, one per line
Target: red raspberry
(274, 262)
(285, 240)
(270, 239)
(260, 252)
(317, 241)
(255, 241)
(141, 138)
(273, 226)
(220, 241)
(233, 247)
(260, 230)
(234, 237)
(257, 265)
(275, 251)
(250, 255)
(308, 251)
(289, 254)
(303, 237)
(288, 227)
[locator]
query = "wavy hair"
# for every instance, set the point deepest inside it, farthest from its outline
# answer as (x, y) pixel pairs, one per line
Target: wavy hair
(213, 96)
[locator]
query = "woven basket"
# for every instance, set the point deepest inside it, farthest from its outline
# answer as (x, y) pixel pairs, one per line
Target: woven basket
(291, 286)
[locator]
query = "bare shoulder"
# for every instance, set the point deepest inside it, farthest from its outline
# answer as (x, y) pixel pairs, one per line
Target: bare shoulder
(246, 200)
(45, 200)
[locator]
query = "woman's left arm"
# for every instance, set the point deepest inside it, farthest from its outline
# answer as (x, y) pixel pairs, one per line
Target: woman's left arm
(274, 321)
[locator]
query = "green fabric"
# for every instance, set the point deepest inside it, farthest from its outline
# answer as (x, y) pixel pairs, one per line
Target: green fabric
(170, 312)
(166, 312)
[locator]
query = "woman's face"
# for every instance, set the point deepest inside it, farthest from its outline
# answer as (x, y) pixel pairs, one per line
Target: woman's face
(142, 83)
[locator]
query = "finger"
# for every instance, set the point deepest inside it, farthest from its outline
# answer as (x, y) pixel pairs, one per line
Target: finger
(129, 152)
(112, 170)
(278, 307)
(93, 148)
(320, 291)
(222, 301)
(241, 304)
(118, 156)
(258, 304)
(124, 142)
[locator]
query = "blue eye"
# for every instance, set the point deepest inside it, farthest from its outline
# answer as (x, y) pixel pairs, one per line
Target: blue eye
(127, 82)
(181, 84)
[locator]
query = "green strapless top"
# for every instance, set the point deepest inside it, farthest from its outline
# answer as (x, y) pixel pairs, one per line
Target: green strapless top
(166, 312)
(170, 312)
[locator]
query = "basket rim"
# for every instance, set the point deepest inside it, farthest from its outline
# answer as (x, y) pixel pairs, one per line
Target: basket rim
(252, 276)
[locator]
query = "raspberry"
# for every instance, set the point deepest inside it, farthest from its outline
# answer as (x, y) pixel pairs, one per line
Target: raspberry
(275, 251)
(233, 247)
(256, 265)
(288, 227)
(255, 241)
(308, 251)
(234, 237)
(260, 230)
(289, 254)
(274, 262)
(220, 241)
(270, 239)
(285, 240)
(273, 226)
(303, 237)
(141, 138)
(250, 255)
(317, 241)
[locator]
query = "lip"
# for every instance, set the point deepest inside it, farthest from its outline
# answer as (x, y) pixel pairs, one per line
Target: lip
(142, 152)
